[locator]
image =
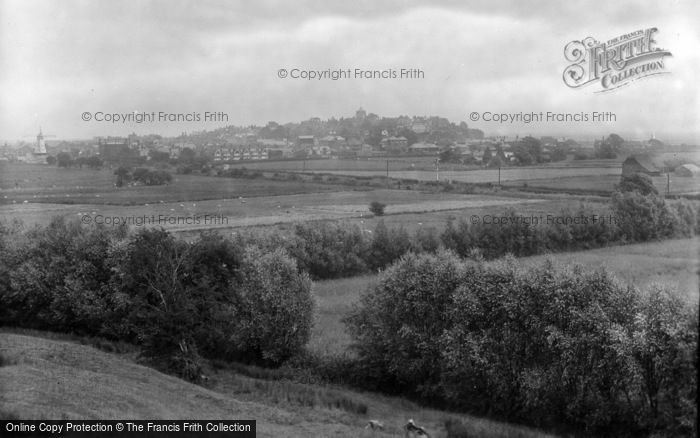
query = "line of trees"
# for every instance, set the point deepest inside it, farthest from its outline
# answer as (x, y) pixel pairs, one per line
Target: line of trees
(179, 301)
(142, 175)
(331, 250)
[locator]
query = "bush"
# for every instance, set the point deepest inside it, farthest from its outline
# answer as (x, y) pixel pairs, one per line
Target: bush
(328, 250)
(176, 300)
(547, 346)
(377, 208)
(641, 218)
(277, 307)
(57, 276)
(398, 324)
(387, 246)
(637, 182)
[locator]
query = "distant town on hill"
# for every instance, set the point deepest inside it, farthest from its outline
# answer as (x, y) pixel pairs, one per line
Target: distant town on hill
(365, 135)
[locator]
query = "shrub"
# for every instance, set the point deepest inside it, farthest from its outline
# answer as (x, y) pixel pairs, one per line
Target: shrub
(387, 246)
(377, 208)
(643, 217)
(277, 306)
(57, 276)
(547, 346)
(637, 182)
(328, 250)
(398, 324)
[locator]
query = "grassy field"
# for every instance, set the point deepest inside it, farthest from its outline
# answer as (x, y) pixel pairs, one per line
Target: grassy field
(230, 213)
(673, 263)
(360, 164)
(46, 376)
(606, 183)
(49, 184)
(487, 175)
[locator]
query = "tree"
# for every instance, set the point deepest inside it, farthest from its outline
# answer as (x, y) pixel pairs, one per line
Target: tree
(528, 150)
(94, 162)
(488, 155)
(377, 208)
(123, 175)
(450, 156)
(63, 159)
(610, 147)
(187, 155)
(50, 160)
(637, 182)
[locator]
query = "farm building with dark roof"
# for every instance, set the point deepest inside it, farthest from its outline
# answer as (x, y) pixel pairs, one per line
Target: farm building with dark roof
(688, 170)
(640, 164)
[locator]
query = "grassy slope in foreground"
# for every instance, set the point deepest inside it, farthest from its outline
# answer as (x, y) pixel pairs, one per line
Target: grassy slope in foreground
(53, 379)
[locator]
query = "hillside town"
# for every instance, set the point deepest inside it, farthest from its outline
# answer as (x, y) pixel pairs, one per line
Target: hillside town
(363, 136)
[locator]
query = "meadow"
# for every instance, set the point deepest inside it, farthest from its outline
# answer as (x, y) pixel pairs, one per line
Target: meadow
(606, 184)
(50, 184)
(243, 211)
(52, 376)
(673, 263)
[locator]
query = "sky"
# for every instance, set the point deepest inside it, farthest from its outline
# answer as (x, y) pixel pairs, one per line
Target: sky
(60, 59)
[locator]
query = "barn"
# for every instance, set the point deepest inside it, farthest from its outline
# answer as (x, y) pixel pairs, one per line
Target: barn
(640, 164)
(688, 170)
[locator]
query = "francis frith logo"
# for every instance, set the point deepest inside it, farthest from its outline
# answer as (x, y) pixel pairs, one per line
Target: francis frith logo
(615, 63)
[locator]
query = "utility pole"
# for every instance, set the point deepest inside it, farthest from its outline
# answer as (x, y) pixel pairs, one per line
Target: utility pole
(499, 175)
(437, 169)
(387, 174)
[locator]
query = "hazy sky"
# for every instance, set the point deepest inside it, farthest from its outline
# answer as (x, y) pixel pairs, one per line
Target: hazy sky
(59, 59)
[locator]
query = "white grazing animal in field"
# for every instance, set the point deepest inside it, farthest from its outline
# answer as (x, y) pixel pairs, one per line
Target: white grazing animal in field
(413, 430)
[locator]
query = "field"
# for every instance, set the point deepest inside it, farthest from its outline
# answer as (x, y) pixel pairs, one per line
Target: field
(360, 164)
(49, 184)
(230, 213)
(606, 183)
(673, 263)
(50, 377)
(423, 169)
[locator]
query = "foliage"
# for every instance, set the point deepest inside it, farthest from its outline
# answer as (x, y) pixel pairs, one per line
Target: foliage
(123, 176)
(548, 346)
(328, 250)
(387, 246)
(642, 218)
(277, 306)
(177, 300)
(63, 159)
(377, 208)
(151, 177)
(637, 182)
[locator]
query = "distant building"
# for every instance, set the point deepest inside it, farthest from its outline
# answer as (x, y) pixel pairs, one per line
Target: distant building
(688, 170)
(640, 164)
(395, 144)
(304, 141)
(419, 128)
(115, 149)
(424, 148)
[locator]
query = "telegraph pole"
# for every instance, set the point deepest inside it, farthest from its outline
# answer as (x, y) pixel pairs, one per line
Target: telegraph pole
(387, 174)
